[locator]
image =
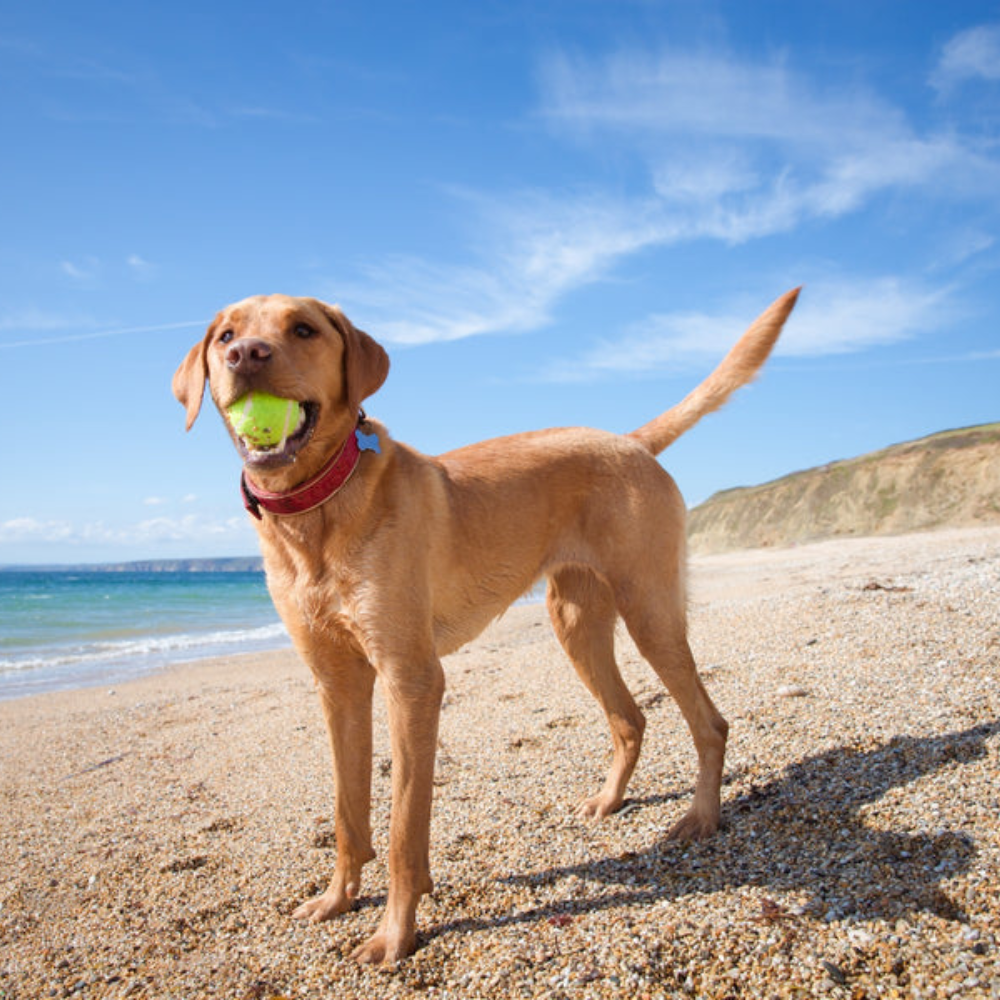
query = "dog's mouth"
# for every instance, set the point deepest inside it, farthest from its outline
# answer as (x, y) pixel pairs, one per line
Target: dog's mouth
(283, 452)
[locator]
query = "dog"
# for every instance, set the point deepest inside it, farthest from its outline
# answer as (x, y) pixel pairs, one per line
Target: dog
(381, 560)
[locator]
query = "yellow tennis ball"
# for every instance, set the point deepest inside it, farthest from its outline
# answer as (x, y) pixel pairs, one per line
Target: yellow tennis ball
(263, 420)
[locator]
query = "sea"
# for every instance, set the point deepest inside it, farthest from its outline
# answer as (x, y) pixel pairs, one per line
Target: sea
(74, 628)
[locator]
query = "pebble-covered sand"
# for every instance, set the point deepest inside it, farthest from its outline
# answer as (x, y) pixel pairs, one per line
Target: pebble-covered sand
(154, 839)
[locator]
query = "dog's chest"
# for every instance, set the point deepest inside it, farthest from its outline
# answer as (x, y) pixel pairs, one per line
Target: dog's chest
(318, 605)
(319, 584)
(314, 599)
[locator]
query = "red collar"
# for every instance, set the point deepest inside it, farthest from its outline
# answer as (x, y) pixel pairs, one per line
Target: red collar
(310, 495)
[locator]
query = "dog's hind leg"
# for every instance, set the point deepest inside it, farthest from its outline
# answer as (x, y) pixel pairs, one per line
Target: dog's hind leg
(659, 630)
(582, 610)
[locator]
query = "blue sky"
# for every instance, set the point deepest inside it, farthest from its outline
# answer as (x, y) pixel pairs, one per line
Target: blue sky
(551, 213)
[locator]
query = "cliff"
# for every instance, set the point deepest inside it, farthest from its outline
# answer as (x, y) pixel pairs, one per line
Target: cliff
(951, 479)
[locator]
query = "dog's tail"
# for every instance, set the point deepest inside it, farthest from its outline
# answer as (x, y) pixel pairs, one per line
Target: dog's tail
(738, 367)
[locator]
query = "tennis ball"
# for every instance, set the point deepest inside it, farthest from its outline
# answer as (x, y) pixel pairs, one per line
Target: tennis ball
(264, 420)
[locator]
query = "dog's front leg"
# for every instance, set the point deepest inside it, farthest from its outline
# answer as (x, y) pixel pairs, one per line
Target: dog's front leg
(413, 701)
(345, 691)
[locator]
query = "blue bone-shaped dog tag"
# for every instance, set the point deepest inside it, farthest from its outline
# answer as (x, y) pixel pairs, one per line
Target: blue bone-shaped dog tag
(368, 442)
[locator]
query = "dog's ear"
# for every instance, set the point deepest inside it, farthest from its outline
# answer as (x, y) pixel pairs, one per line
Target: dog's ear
(189, 379)
(366, 363)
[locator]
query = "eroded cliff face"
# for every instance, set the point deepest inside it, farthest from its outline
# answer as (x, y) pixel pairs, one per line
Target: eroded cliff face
(951, 479)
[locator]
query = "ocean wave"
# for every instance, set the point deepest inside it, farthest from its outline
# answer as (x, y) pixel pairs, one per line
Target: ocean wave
(154, 650)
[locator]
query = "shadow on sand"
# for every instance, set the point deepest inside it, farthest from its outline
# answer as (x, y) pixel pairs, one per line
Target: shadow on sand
(815, 841)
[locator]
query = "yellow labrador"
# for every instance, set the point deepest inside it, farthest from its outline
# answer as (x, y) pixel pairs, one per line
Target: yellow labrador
(381, 560)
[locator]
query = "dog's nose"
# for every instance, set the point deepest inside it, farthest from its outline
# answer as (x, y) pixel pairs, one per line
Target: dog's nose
(248, 356)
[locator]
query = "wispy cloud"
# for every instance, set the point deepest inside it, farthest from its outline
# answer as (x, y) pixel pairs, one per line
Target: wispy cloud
(833, 318)
(46, 337)
(84, 271)
(730, 150)
(139, 267)
(969, 55)
(120, 87)
(90, 270)
(962, 245)
(758, 139)
(263, 113)
(190, 528)
(539, 248)
(852, 315)
(35, 320)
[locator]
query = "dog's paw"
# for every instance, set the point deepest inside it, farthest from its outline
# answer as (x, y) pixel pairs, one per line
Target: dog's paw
(332, 903)
(598, 806)
(693, 825)
(384, 948)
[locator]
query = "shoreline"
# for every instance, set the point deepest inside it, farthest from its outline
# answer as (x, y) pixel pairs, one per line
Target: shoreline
(117, 671)
(112, 674)
(34, 683)
(155, 841)
(62, 630)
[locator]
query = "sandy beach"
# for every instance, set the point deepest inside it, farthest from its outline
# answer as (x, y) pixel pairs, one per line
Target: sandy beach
(155, 837)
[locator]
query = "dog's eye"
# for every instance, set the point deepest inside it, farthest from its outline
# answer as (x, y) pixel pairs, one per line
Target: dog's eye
(227, 336)
(304, 332)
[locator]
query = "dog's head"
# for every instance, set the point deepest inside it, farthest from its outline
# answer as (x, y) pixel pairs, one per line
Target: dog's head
(299, 349)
